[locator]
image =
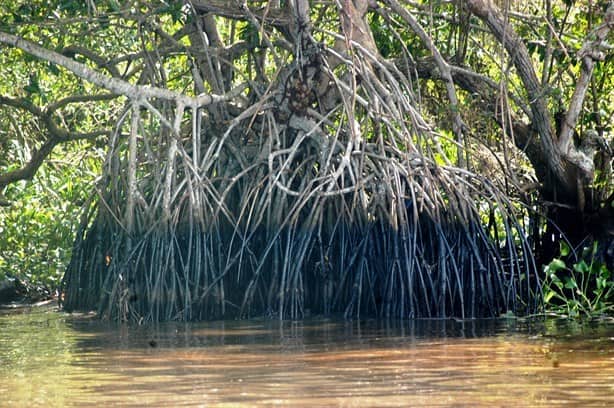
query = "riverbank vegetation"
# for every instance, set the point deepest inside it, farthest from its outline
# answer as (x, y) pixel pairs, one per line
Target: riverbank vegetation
(207, 159)
(584, 288)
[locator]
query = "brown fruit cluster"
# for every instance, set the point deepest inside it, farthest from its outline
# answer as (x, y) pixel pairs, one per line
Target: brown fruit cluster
(300, 96)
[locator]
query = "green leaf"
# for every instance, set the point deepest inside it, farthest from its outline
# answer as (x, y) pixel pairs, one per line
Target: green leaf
(581, 267)
(555, 265)
(596, 268)
(557, 282)
(71, 5)
(53, 69)
(548, 296)
(564, 248)
(601, 283)
(604, 272)
(570, 283)
(33, 86)
(114, 5)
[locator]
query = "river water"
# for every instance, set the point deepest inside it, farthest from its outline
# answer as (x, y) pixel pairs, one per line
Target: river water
(52, 359)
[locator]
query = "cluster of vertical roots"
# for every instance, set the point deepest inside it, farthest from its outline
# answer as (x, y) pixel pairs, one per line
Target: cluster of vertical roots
(388, 237)
(339, 202)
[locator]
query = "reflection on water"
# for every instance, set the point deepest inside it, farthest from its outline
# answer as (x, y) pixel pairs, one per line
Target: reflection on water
(53, 359)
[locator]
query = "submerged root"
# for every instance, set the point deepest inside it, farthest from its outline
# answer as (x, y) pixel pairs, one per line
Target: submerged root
(285, 244)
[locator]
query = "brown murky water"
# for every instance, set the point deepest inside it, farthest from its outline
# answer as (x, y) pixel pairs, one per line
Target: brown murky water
(48, 358)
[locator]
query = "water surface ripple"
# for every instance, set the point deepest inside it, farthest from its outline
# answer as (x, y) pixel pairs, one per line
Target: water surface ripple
(54, 359)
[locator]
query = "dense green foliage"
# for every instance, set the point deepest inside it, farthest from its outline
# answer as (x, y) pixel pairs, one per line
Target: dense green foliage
(37, 232)
(581, 288)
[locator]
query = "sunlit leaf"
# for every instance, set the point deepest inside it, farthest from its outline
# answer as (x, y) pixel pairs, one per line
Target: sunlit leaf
(570, 283)
(555, 265)
(548, 296)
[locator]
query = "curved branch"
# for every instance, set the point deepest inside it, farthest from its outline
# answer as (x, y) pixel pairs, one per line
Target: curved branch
(589, 53)
(72, 50)
(57, 135)
(38, 157)
(77, 99)
(277, 17)
(444, 68)
(117, 86)
(21, 103)
(488, 91)
(505, 34)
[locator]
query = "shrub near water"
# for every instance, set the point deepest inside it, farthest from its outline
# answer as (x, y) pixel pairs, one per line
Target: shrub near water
(37, 230)
(584, 288)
